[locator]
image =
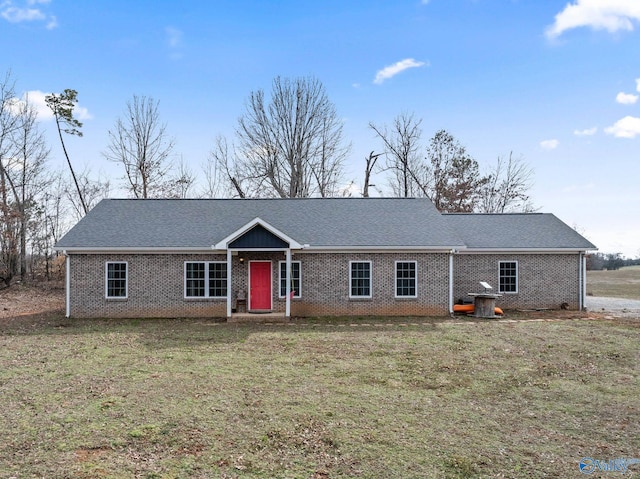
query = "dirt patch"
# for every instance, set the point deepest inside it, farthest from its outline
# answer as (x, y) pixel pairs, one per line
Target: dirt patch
(31, 299)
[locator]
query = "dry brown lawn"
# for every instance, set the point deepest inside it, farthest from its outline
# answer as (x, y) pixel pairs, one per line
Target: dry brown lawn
(528, 396)
(622, 283)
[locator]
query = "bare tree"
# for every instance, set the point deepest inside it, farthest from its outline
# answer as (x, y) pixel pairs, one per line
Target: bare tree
(291, 146)
(507, 187)
(181, 182)
(141, 144)
(23, 152)
(27, 173)
(214, 181)
(92, 189)
(8, 213)
(62, 106)
(371, 161)
(229, 176)
(402, 152)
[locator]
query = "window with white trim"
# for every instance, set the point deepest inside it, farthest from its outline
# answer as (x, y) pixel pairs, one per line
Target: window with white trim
(116, 280)
(205, 279)
(360, 279)
(406, 279)
(508, 279)
(295, 279)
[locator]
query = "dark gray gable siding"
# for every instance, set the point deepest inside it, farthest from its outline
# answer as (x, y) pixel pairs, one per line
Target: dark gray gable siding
(256, 238)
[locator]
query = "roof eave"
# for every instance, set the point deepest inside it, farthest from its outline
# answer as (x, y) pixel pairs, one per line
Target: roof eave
(476, 250)
(132, 249)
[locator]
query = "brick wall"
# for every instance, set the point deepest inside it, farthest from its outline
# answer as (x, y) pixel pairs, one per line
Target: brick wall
(544, 280)
(156, 285)
(325, 285)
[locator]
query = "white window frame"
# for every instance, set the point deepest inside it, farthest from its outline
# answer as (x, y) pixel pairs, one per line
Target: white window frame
(415, 279)
(500, 290)
(351, 280)
(207, 279)
(107, 279)
(299, 291)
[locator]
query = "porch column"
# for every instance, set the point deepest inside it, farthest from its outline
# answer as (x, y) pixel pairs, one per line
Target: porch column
(229, 283)
(287, 309)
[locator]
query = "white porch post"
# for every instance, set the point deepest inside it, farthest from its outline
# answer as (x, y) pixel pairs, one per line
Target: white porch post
(287, 310)
(229, 283)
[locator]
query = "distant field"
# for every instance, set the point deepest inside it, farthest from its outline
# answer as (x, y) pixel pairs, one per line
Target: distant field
(623, 283)
(319, 399)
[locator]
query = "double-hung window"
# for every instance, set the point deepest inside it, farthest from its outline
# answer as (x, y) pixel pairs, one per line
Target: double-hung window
(116, 280)
(205, 279)
(360, 279)
(295, 279)
(406, 279)
(508, 279)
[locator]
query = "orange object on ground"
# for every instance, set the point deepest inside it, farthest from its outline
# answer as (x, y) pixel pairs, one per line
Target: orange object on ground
(469, 309)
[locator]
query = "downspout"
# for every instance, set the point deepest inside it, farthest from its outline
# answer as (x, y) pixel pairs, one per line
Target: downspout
(67, 268)
(229, 283)
(582, 281)
(451, 281)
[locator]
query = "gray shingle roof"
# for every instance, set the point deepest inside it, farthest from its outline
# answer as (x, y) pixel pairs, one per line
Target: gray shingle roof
(320, 223)
(516, 231)
(329, 223)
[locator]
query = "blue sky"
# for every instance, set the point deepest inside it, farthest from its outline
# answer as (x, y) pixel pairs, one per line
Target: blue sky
(555, 82)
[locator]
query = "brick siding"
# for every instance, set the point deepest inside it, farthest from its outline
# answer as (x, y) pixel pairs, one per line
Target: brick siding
(156, 283)
(544, 280)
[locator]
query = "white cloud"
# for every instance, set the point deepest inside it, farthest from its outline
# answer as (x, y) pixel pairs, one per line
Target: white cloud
(27, 12)
(627, 127)
(549, 144)
(638, 84)
(16, 15)
(37, 100)
(626, 98)
(586, 132)
(610, 15)
(398, 67)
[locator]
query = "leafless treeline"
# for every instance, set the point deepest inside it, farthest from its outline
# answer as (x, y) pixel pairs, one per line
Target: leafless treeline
(289, 143)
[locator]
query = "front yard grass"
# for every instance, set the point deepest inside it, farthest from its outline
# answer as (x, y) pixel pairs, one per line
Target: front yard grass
(316, 399)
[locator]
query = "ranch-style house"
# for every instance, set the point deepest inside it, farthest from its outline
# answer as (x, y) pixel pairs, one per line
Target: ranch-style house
(216, 258)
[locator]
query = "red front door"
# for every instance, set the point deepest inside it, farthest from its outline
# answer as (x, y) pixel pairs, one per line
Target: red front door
(260, 285)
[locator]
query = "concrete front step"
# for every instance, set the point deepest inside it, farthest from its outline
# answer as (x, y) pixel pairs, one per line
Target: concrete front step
(258, 318)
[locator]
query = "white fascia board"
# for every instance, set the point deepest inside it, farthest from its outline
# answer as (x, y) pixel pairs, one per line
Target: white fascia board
(257, 250)
(136, 250)
(223, 244)
(521, 250)
(378, 249)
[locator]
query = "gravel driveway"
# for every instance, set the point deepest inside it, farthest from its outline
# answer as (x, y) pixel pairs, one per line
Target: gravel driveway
(616, 306)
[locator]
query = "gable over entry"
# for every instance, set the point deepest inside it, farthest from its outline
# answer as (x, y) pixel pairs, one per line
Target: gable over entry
(258, 235)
